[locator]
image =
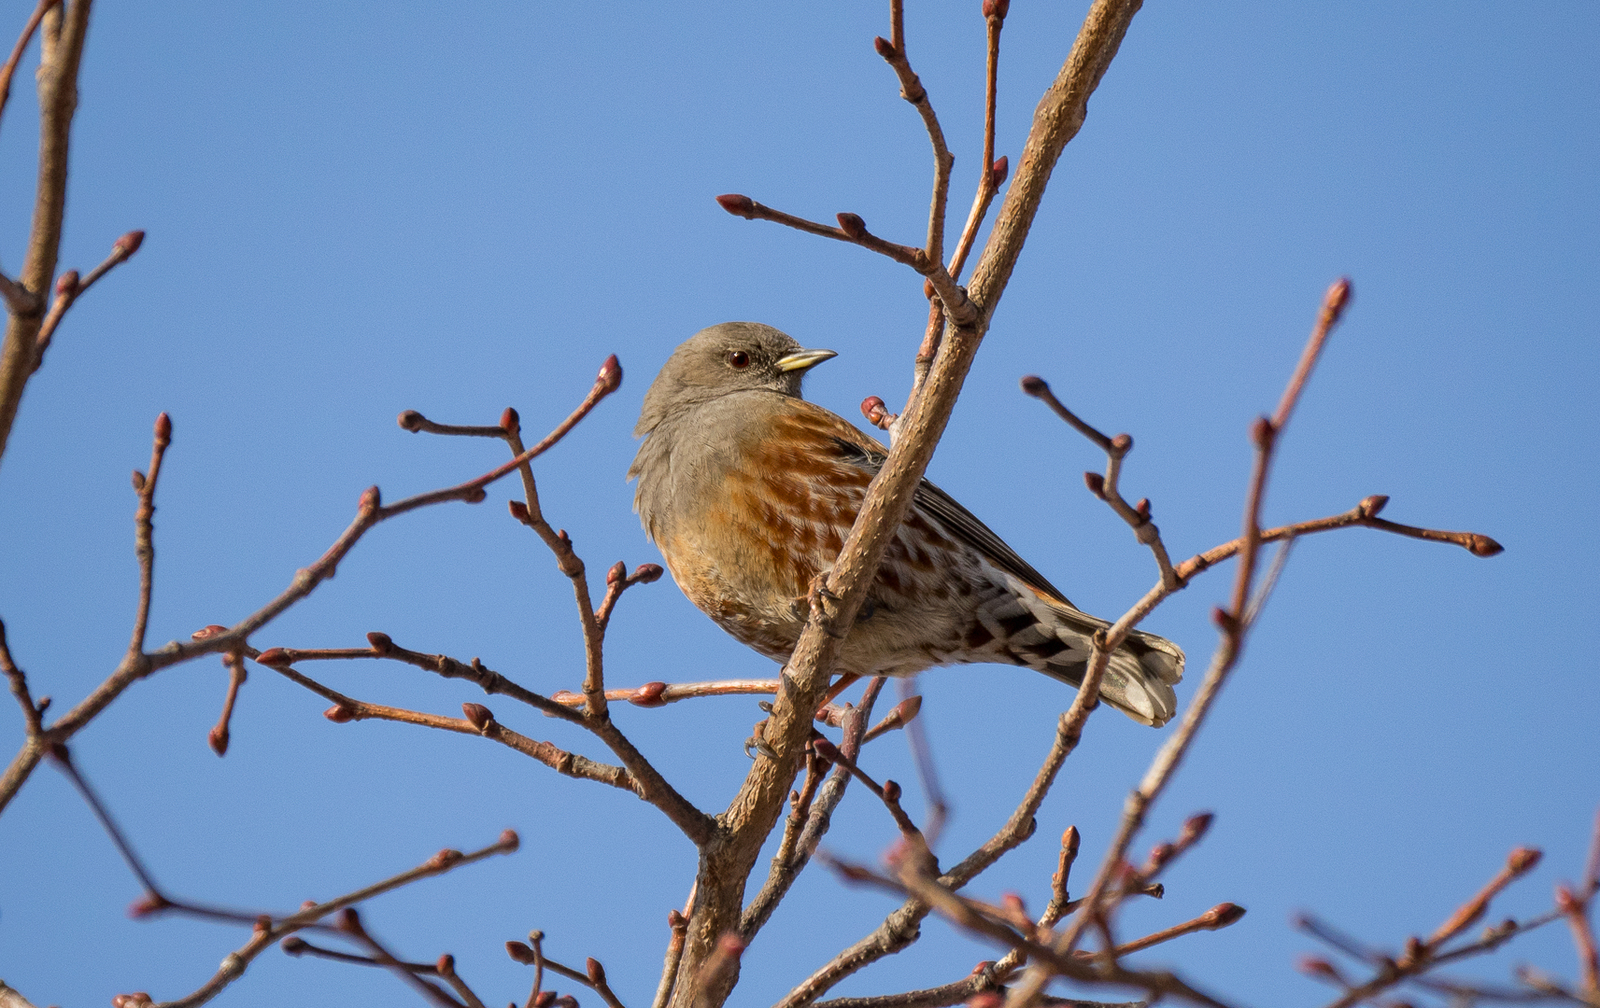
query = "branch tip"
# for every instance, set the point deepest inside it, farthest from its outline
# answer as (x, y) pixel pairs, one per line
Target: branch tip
(885, 48)
(647, 573)
(1034, 385)
(510, 422)
(1482, 545)
(382, 644)
(274, 657)
(339, 714)
(739, 206)
(1371, 506)
(410, 420)
(610, 376)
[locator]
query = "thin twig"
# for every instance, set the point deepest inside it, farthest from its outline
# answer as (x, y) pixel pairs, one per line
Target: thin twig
(1234, 629)
(10, 69)
(893, 52)
(136, 665)
(234, 965)
(32, 713)
(236, 677)
(69, 288)
(144, 534)
(852, 229)
(350, 923)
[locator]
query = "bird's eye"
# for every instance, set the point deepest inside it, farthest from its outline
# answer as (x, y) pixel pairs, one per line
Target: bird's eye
(738, 360)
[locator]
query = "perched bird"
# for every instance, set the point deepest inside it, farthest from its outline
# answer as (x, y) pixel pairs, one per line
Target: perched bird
(750, 491)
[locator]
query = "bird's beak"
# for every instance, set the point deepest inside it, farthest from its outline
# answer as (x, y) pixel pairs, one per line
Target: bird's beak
(802, 360)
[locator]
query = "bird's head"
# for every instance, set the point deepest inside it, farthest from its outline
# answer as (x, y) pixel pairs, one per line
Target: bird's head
(727, 358)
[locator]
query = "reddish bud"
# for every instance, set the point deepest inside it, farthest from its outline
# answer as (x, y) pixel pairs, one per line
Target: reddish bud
(518, 510)
(411, 420)
(262, 924)
(475, 495)
(370, 500)
(1069, 841)
(739, 206)
(1013, 903)
(1161, 853)
(1338, 296)
(1122, 444)
(138, 999)
(826, 749)
(999, 170)
(1523, 860)
(1196, 826)
(509, 421)
(1482, 545)
(730, 945)
(1222, 915)
(293, 945)
(67, 283)
(617, 572)
(138, 481)
(164, 429)
(646, 573)
(565, 1001)
(1096, 484)
(1370, 506)
(1261, 432)
(906, 711)
(208, 631)
(928, 290)
(447, 856)
(129, 243)
(274, 657)
(217, 738)
(147, 905)
(349, 919)
(446, 964)
(649, 695)
(852, 225)
(996, 8)
(308, 904)
(1143, 508)
(885, 48)
(1320, 968)
(986, 999)
(1034, 385)
(478, 715)
(381, 643)
(873, 408)
(339, 714)
(891, 791)
(597, 972)
(520, 952)
(676, 920)
(544, 999)
(510, 840)
(1224, 619)
(610, 376)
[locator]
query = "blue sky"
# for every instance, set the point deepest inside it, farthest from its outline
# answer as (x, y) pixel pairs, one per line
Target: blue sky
(459, 207)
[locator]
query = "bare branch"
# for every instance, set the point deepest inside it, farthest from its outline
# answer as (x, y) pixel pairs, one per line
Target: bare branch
(237, 962)
(69, 288)
(911, 89)
(64, 28)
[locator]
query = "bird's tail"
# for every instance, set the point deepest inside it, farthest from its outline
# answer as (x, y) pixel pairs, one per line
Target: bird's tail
(1139, 676)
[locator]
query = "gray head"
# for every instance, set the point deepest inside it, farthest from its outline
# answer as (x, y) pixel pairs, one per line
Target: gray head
(727, 358)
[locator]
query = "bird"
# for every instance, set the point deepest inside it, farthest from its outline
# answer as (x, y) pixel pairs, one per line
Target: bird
(750, 491)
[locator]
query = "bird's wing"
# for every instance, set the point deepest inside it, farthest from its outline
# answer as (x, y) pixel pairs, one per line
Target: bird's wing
(865, 453)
